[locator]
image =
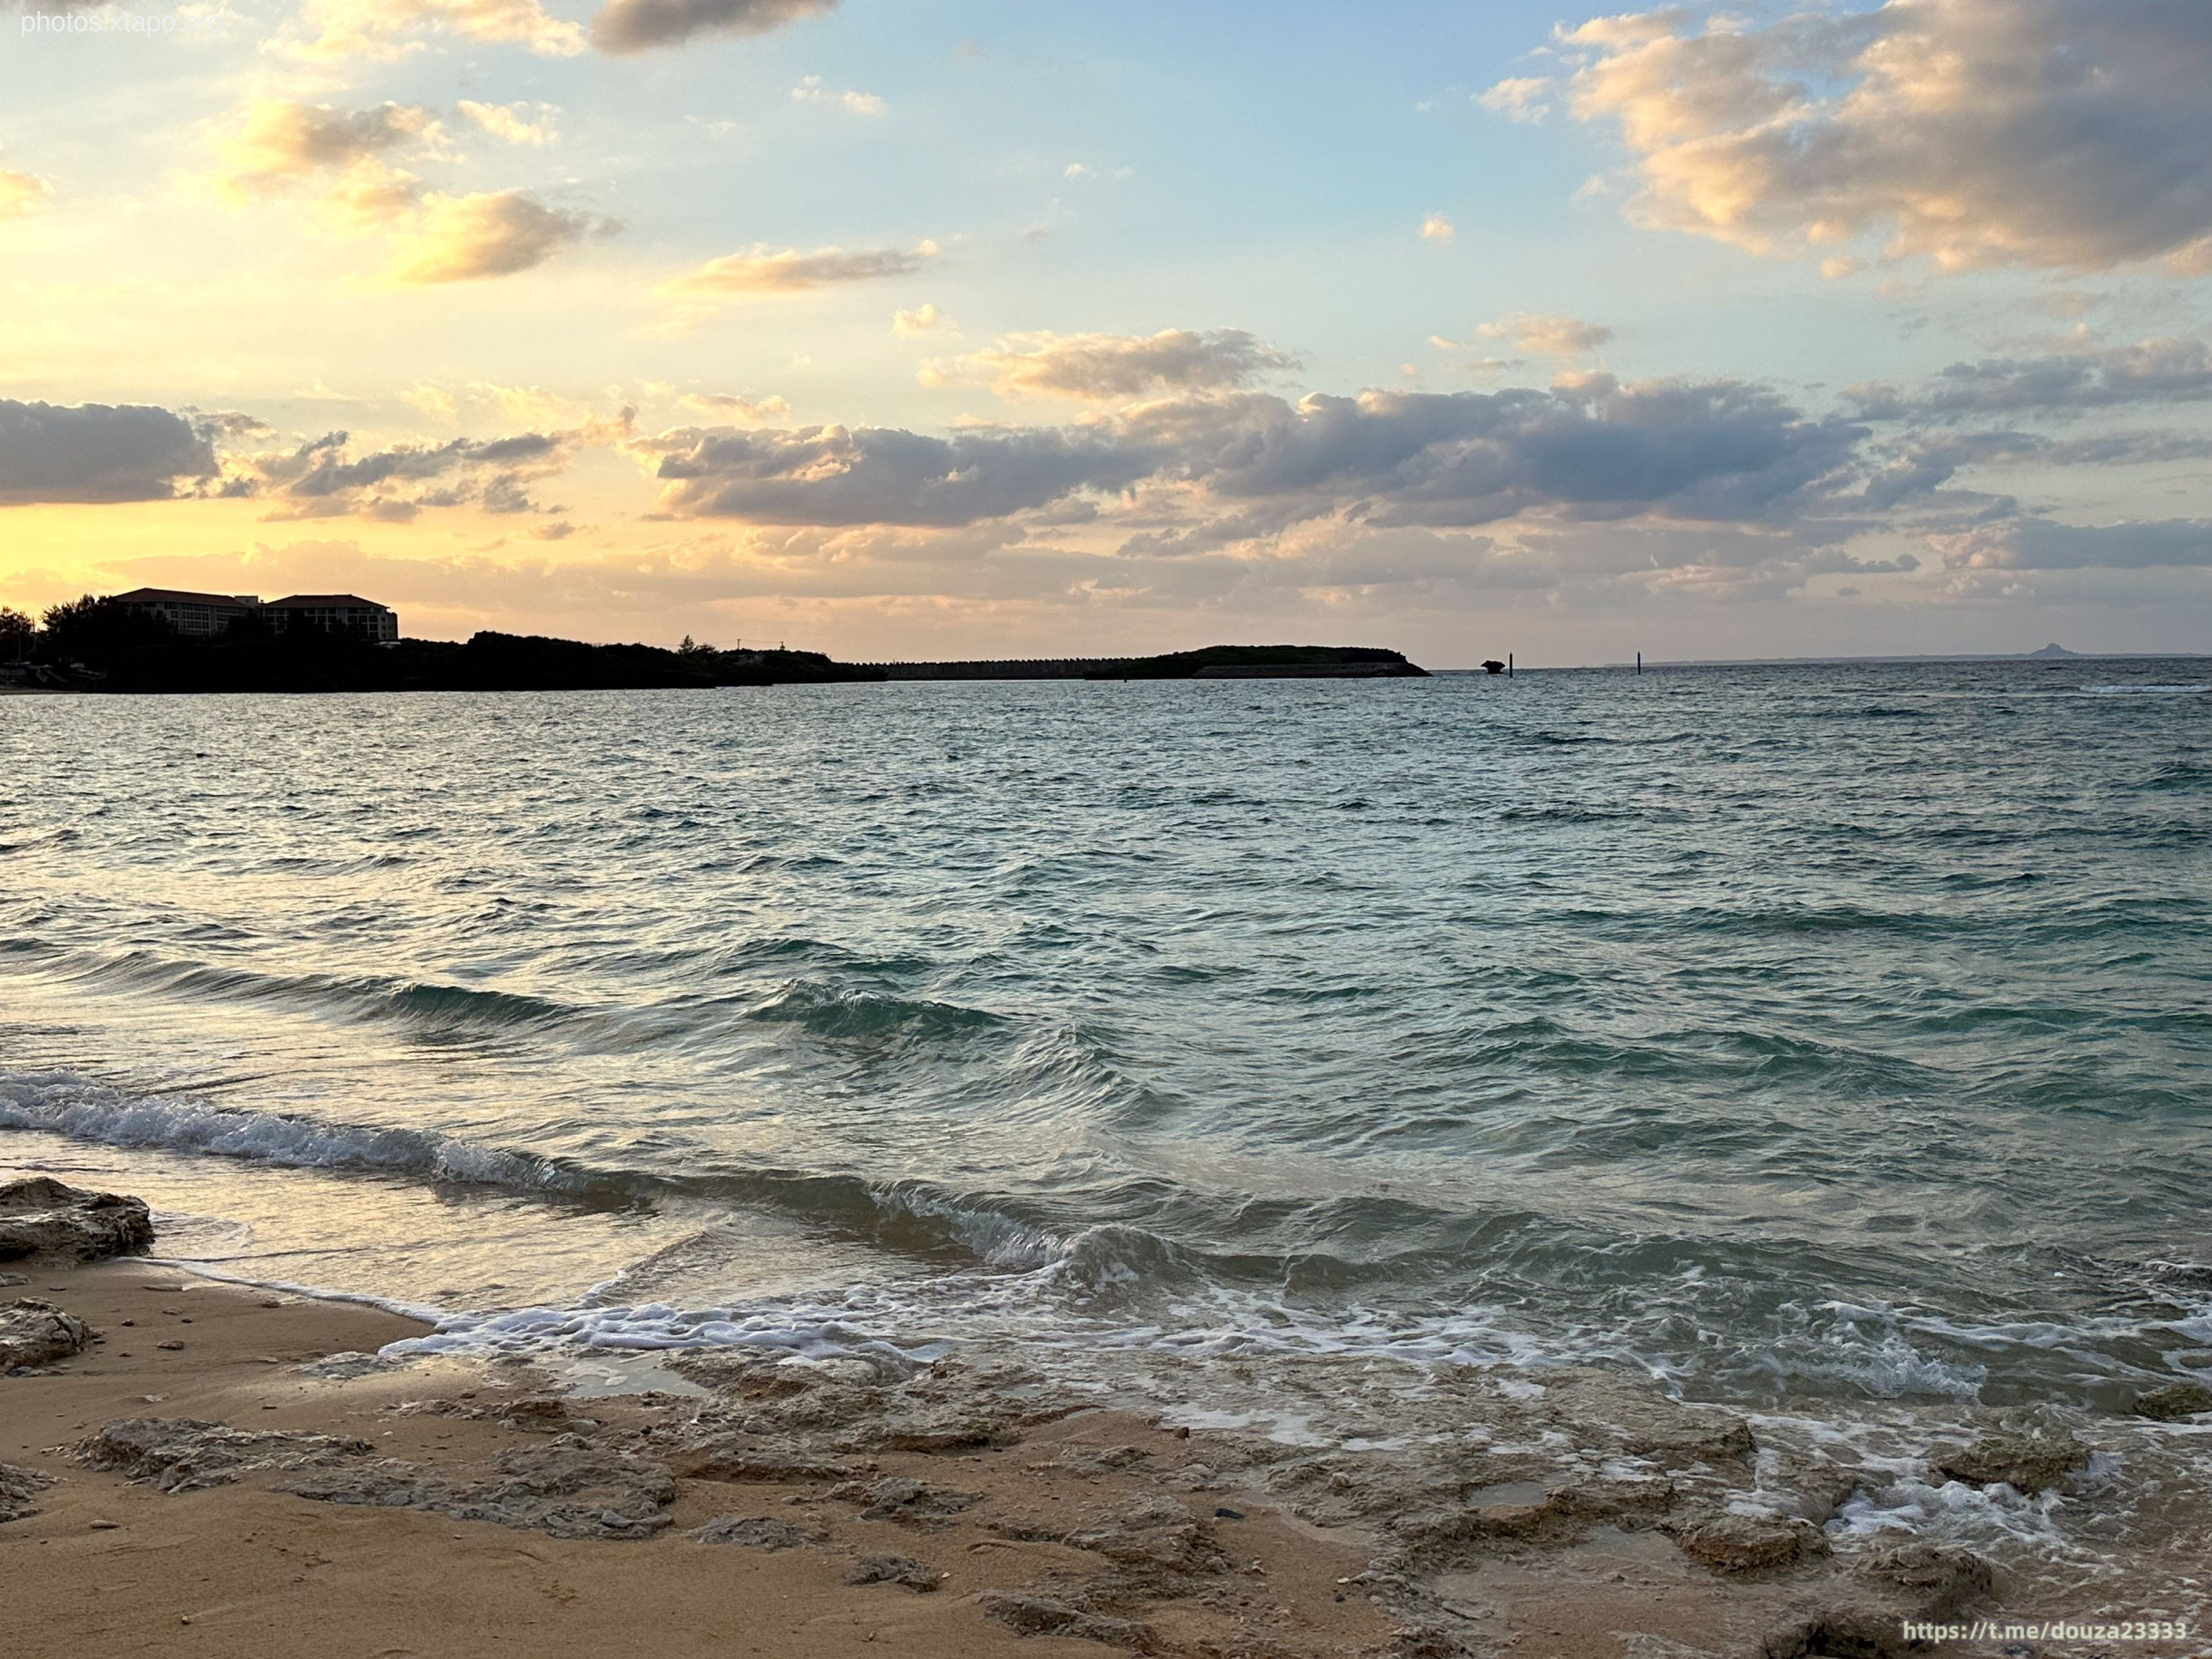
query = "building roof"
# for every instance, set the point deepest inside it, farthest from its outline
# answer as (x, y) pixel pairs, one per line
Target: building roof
(178, 596)
(325, 602)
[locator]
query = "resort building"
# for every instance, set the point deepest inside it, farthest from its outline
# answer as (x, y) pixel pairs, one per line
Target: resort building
(200, 615)
(335, 613)
(203, 616)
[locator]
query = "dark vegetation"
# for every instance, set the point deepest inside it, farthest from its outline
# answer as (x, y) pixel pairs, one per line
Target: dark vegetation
(95, 644)
(1226, 661)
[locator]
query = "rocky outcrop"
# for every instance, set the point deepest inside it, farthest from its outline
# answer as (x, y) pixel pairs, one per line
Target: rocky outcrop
(177, 1454)
(739, 1463)
(1155, 1533)
(1637, 1419)
(901, 1498)
(33, 1332)
(567, 1491)
(2174, 1402)
(42, 1221)
(894, 1570)
(754, 1532)
(2027, 1460)
(1916, 1580)
(1746, 1543)
(18, 1488)
(1030, 1614)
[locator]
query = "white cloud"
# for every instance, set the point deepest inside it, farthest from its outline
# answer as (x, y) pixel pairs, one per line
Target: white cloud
(922, 319)
(1520, 97)
(2065, 134)
(762, 271)
(729, 406)
(518, 123)
(1546, 334)
(19, 193)
(1437, 229)
(810, 90)
(491, 234)
(381, 28)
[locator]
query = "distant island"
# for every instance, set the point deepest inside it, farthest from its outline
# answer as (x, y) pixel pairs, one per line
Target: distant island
(153, 641)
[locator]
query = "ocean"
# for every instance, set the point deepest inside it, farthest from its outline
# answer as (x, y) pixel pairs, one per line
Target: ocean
(1833, 1042)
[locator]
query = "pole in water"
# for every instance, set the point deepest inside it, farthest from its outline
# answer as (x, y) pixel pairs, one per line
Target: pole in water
(1509, 665)
(1639, 662)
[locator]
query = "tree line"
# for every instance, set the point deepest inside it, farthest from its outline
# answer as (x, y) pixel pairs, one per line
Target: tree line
(97, 644)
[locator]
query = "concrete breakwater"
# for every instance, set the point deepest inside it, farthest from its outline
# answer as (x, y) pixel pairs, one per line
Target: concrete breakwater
(1212, 663)
(1024, 668)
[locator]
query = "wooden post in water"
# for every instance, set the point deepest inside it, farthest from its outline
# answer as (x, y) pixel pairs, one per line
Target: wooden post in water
(1639, 662)
(1509, 665)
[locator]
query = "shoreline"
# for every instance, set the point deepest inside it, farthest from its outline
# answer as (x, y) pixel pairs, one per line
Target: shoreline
(1041, 1525)
(241, 1570)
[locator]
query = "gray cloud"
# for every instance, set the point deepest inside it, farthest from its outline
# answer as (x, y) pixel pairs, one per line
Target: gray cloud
(1590, 447)
(838, 475)
(99, 453)
(2150, 371)
(279, 141)
(2065, 134)
(325, 477)
(624, 26)
(1241, 465)
(1101, 367)
(2043, 545)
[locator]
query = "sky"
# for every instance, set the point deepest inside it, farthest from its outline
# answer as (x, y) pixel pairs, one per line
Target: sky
(928, 328)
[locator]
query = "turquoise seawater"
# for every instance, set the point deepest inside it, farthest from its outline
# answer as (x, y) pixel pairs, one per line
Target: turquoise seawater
(1806, 1035)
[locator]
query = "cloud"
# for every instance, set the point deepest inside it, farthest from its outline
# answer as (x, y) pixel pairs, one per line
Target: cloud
(280, 143)
(922, 319)
(1518, 98)
(377, 28)
(835, 474)
(762, 270)
(729, 406)
(810, 90)
(19, 193)
(1720, 450)
(459, 238)
(624, 26)
(1437, 229)
(327, 478)
(100, 452)
(1204, 471)
(2157, 371)
(1101, 367)
(1546, 334)
(2059, 134)
(518, 123)
(2037, 544)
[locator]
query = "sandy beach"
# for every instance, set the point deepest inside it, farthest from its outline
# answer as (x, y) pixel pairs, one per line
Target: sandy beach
(200, 1467)
(241, 1570)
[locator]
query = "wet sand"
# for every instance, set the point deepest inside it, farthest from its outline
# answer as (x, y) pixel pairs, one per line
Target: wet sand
(240, 1572)
(467, 1508)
